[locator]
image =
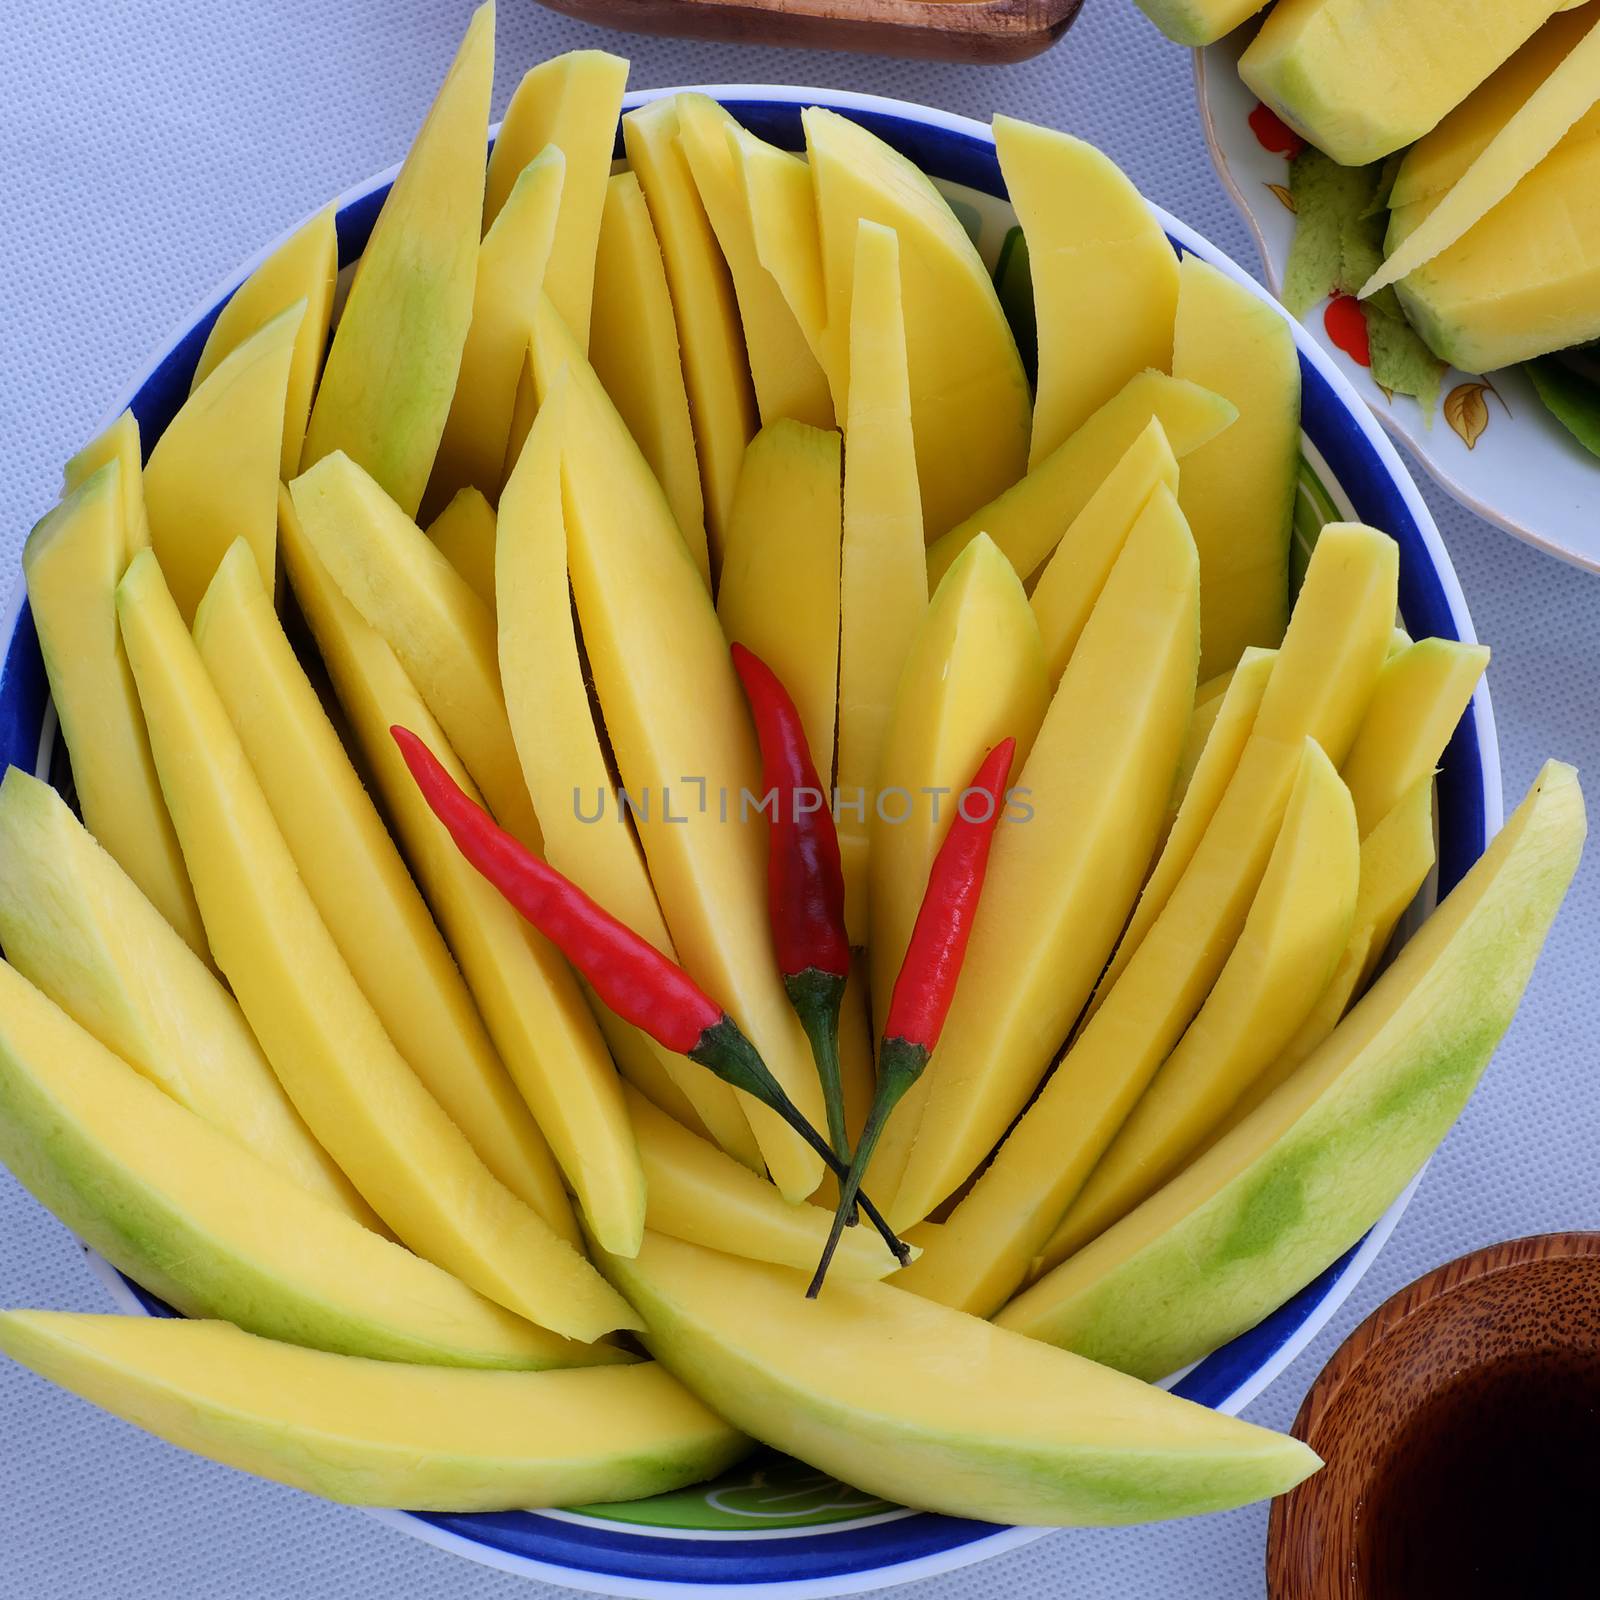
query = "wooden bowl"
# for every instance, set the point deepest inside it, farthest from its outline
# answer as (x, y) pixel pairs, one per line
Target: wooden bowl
(985, 31)
(1459, 1425)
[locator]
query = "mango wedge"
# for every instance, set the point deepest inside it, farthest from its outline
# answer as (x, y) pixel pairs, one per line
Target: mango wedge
(391, 370)
(358, 1096)
(464, 534)
(304, 267)
(77, 927)
(215, 1231)
(1298, 1182)
(72, 563)
(571, 102)
(1105, 277)
(871, 1384)
(212, 476)
(1198, 22)
(360, 884)
(377, 1433)
(119, 443)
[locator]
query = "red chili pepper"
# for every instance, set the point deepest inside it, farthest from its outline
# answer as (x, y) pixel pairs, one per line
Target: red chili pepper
(927, 981)
(805, 879)
(628, 973)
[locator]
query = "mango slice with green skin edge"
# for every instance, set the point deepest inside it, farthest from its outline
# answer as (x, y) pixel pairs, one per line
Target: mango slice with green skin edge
(212, 476)
(1238, 490)
(358, 881)
(788, 378)
(715, 366)
(1362, 78)
(1071, 580)
(672, 705)
(1305, 1175)
(464, 534)
(1421, 694)
(72, 562)
(560, 748)
(443, 634)
(1057, 892)
(700, 1194)
(391, 370)
(354, 1089)
(212, 1228)
(779, 594)
(633, 347)
(974, 675)
(120, 443)
(511, 266)
(377, 1433)
(571, 101)
(883, 579)
(304, 267)
(932, 1409)
(1028, 519)
(1105, 277)
(77, 927)
(1199, 22)
(1292, 939)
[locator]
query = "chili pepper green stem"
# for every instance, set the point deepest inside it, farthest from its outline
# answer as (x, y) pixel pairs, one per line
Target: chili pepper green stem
(817, 998)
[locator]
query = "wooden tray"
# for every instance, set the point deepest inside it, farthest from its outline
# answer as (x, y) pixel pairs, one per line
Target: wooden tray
(987, 31)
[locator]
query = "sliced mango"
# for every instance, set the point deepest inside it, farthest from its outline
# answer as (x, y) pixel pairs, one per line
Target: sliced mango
(464, 533)
(391, 370)
(304, 267)
(1198, 22)
(1028, 520)
(1300, 1180)
(571, 101)
(119, 443)
(213, 474)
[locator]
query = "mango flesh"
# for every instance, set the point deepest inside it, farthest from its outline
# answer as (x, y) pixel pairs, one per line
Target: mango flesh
(212, 1228)
(1362, 78)
(1301, 1179)
(1199, 22)
(391, 370)
(378, 1433)
(119, 443)
(924, 1406)
(464, 534)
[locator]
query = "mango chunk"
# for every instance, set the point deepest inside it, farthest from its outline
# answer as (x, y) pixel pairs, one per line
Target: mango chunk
(843, 1383)
(379, 1433)
(391, 370)
(464, 534)
(1199, 22)
(1304, 1176)
(119, 443)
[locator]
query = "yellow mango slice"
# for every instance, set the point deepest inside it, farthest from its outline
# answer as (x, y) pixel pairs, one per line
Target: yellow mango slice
(788, 379)
(213, 475)
(1028, 520)
(974, 675)
(1421, 695)
(1105, 277)
(72, 562)
(562, 758)
(1320, 682)
(1075, 574)
(1062, 880)
(1292, 938)
(1209, 702)
(511, 266)
(358, 1096)
(1198, 22)
(442, 632)
(119, 443)
(198, 1219)
(359, 883)
(1238, 490)
(77, 927)
(779, 594)
(391, 370)
(464, 534)
(1362, 78)
(633, 346)
(883, 581)
(304, 267)
(700, 1194)
(715, 367)
(970, 405)
(571, 101)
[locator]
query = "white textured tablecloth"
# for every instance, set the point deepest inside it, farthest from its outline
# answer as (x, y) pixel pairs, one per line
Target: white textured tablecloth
(147, 147)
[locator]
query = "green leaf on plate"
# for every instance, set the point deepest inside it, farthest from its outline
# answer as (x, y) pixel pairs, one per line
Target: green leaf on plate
(1570, 391)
